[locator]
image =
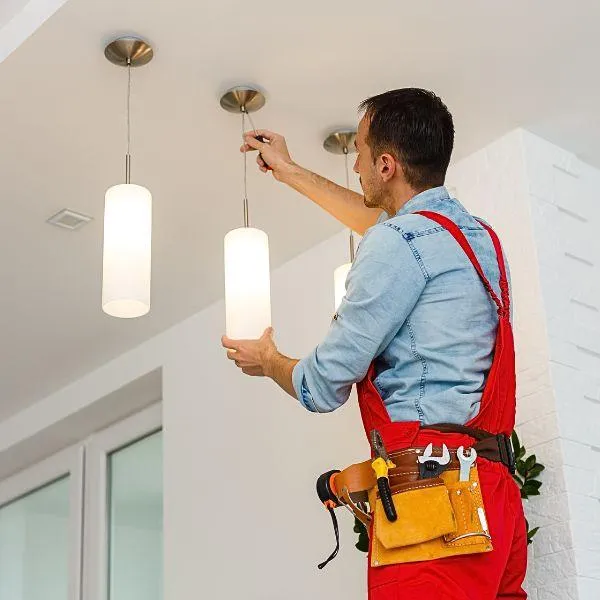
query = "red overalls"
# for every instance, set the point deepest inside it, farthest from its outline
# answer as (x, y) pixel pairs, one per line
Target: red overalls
(496, 574)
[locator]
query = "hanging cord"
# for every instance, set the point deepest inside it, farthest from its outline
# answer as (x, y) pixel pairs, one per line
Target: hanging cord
(337, 539)
(352, 252)
(128, 155)
(246, 211)
(245, 114)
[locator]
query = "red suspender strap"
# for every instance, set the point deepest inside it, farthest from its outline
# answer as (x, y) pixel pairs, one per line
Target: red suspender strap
(501, 267)
(459, 236)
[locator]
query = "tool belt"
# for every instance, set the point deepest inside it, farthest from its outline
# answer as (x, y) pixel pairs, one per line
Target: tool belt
(419, 509)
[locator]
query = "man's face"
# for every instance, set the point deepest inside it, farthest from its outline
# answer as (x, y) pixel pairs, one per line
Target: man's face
(365, 167)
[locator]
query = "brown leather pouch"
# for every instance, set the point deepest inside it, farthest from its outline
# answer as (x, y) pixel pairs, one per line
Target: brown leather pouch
(436, 518)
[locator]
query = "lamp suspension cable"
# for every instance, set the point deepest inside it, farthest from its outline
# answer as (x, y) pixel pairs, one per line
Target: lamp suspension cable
(245, 114)
(246, 207)
(128, 155)
(352, 251)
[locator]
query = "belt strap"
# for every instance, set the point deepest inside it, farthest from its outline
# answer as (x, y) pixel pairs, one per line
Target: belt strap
(497, 448)
(354, 482)
(478, 434)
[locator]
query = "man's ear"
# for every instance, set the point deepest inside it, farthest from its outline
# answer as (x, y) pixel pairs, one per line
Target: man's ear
(387, 167)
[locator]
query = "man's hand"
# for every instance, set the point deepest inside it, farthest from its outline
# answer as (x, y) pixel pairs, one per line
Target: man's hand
(260, 358)
(252, 356)
(274, 152)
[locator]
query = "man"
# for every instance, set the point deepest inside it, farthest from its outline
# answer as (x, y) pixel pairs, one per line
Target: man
(424, 326)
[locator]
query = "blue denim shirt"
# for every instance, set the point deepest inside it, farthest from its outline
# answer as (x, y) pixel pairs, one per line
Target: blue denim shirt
(415, 305)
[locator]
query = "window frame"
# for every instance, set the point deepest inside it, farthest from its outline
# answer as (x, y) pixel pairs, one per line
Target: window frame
(96, 502)
(66, 463)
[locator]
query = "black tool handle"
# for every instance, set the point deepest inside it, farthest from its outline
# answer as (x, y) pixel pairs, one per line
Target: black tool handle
(263, 139)
(385, 493)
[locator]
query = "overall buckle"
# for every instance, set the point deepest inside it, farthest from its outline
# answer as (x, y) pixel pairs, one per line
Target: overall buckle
(507, 454)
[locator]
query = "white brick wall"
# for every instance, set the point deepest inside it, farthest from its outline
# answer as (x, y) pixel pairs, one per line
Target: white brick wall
(542, 200)
(494, 184)
(563, 194)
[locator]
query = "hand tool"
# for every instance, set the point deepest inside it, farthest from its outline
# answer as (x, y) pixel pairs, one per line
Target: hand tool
(381, 465)
(466, 462)
(433, 466)
(264, 140)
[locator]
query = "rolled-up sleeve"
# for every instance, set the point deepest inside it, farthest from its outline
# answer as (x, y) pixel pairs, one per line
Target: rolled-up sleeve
(382, 288)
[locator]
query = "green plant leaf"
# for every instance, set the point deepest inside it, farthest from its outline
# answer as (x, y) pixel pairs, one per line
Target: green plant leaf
(531, 493)
(359, 527)
(535, 471)
(363, 543)
(363, 537)
(530, 534)
(531, 460)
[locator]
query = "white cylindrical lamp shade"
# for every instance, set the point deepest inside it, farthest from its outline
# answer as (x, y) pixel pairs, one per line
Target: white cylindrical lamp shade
(247, 283)
(339, 283)
(127, 258)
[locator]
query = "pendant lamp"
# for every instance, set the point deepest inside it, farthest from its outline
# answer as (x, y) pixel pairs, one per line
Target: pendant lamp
(127, 246)
(247, 274)
(342, 142)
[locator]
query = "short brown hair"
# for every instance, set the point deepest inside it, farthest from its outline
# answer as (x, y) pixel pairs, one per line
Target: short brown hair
(416, 127)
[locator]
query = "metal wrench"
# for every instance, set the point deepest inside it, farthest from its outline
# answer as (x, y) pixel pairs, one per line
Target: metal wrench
(466, 462)
(433, 466)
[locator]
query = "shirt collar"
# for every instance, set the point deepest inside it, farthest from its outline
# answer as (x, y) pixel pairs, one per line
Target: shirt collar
(424, 200)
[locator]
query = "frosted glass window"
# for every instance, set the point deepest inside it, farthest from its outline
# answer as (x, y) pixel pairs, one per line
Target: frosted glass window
(135, 521)
(34, 545)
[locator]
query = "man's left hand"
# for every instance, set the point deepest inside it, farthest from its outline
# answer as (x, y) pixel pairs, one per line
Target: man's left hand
(252, 356)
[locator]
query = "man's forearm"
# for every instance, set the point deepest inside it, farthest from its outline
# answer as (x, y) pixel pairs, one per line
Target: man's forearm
(279, 368)
(344, 204)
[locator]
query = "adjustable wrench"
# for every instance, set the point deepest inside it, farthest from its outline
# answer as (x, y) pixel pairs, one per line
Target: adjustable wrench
(433, 466)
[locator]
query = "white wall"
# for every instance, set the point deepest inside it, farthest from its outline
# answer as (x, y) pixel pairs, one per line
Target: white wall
(241, 458)
(493, 183)
(542, 200)
(564, 194)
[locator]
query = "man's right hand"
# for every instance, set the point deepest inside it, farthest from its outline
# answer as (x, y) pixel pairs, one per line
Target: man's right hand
(345, 205)
(273, 153)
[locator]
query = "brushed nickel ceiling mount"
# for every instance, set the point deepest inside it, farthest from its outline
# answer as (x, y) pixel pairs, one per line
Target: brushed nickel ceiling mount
(241, 99)
(340, 142)
(129, 52)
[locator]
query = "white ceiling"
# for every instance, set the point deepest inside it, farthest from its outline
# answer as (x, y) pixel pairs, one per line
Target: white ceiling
(497, 65)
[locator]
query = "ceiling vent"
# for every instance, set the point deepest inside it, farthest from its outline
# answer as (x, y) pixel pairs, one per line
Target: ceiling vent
(69, 219)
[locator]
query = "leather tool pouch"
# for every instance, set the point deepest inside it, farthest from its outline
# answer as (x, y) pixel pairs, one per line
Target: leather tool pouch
(437, 518)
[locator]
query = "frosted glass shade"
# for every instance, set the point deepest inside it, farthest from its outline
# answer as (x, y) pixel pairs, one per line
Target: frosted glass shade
(247, 283)
(127, 251)
(339, 282)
